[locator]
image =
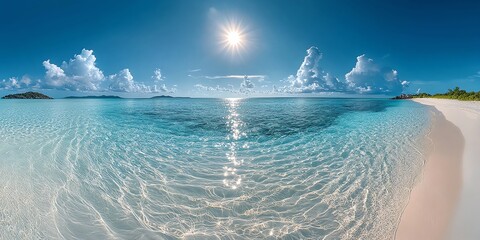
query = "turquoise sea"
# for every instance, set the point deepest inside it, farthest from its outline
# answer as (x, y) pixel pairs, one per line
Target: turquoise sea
(266, 168)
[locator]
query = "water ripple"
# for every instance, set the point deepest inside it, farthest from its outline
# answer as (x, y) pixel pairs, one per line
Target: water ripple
(207, 168)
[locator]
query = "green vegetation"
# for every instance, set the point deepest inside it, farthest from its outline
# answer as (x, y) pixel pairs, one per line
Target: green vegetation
(27, 95)
(456, 93)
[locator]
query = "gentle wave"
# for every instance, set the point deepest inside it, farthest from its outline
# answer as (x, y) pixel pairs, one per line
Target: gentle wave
(207, 168)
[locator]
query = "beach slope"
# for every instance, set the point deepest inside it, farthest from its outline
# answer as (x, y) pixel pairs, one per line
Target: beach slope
(444, 202)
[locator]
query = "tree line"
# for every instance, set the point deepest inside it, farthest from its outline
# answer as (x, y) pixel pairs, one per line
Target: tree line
(455, 93)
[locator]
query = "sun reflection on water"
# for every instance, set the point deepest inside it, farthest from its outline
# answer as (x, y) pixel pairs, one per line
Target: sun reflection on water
(232, 178)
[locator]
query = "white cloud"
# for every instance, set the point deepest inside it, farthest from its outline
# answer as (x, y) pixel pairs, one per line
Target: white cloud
(15, 83)
(202, 87)
(123, 82)
(311, 78)
(55, 76)
(216, 88)
(26, 81)
(369, 77)
(82, 74)
(78, 74)
(11, 83)
(163, 88)
(246, 87)
(242, 90)
(366, 77)
(274, 89)
(252, 77)
(246, 83)
(157, 75)
(256, 77)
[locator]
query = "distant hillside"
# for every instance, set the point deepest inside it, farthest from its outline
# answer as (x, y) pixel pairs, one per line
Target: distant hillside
(102, 96)
(162, 96)
(166, 96)
(27, 95)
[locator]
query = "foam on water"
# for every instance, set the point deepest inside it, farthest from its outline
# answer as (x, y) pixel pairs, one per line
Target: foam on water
(207, 168)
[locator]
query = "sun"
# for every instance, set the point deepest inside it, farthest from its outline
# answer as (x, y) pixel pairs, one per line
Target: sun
(233, 38)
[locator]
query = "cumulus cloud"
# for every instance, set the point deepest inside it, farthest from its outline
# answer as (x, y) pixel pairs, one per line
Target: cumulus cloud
(16, 83)
(216, 88)
(157, 75)
(8, 84)
(311, 77)
(123, 82)
(246, 83)
(81, 74)
(162, 88)
(78, 74)
(369, 77)
(366, 77)
(246, 87)
(26, 81)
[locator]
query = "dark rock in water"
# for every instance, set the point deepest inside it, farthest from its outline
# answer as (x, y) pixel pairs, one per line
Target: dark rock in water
(403, 96)
(27, 95)
(94, 97)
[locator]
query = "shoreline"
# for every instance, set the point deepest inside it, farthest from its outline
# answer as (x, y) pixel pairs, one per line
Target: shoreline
(443, 202)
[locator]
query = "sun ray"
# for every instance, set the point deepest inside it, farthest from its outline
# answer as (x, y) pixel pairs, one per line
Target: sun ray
(233, 37)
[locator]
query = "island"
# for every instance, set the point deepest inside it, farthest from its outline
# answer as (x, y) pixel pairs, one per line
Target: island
(27, 95)
(93, 97)
(165, 96)
(162, 96)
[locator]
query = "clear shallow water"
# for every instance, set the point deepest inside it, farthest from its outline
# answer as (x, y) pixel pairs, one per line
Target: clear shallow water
(290, 168)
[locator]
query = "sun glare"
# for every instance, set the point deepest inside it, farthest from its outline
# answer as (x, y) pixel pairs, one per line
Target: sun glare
(233, 37)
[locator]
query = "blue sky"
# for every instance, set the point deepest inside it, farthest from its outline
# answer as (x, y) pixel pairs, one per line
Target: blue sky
(324, 48)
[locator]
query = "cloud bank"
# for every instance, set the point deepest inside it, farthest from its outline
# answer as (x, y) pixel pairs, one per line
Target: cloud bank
(217, 88)
(246, 85)
(81, 74)
(259, 78)
(15, 83)
(367, 77)
(123, 82)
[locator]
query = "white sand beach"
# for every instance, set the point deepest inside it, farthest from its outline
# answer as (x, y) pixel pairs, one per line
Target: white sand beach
(444, 202)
